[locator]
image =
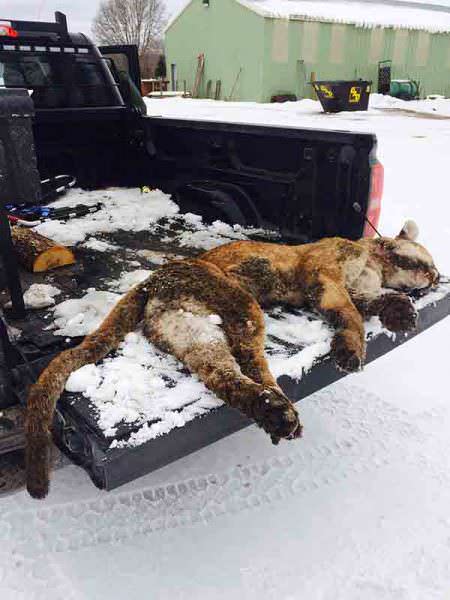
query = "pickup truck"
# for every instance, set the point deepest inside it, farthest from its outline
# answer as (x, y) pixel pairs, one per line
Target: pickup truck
(287, 184)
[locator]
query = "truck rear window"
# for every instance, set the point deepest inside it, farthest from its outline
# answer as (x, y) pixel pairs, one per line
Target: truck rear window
(58, 81)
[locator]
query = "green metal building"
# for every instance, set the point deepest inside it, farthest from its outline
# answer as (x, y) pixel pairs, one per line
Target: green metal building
(260, 48)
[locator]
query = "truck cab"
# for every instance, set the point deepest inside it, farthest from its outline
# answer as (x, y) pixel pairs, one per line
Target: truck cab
(86, 98)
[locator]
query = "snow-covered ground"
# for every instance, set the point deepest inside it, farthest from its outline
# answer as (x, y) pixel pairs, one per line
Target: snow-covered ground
(357, 509)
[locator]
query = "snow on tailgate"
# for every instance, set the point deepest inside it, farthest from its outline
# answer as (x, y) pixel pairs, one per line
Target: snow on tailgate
(143, 386)
(139, 384)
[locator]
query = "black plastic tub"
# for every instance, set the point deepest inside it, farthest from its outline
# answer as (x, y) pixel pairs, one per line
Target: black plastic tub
(337, 96)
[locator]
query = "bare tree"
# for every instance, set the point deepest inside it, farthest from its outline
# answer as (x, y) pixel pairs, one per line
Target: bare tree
(138, 22)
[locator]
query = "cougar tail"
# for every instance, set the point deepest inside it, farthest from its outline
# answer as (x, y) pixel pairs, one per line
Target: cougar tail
(45, 393)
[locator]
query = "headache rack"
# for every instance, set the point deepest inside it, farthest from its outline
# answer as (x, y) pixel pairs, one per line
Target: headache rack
(40, 29)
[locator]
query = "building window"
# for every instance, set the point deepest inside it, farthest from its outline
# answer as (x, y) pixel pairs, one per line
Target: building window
(337, 44)
(400, 46)
(280, 41)
(310, 42)
(422, 48)
(376, 45)
(205, 2)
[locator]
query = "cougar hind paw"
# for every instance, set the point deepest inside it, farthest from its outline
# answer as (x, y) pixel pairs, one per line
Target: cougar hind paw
(278, 417)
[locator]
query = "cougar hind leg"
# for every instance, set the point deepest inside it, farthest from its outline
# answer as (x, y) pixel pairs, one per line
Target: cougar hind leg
(198, 335)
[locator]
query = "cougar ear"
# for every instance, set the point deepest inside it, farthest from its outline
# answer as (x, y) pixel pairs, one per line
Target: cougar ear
(409, 231)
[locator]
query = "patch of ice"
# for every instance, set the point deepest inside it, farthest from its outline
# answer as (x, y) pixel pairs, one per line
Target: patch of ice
(310, 333)
(170, 421)
(40, 295)
(432, 297)
(99, 245)
(129, 280)
(124, 209)
(85, 378)
(81, 316)
(296, 328)
(158, 258)
(298, 364)
(206, 237)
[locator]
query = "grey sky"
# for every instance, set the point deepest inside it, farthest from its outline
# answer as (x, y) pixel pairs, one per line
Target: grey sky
(79, 12)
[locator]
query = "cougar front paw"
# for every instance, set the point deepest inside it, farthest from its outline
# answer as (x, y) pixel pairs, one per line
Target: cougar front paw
(277, 415)
(399, 314)
(347, 355)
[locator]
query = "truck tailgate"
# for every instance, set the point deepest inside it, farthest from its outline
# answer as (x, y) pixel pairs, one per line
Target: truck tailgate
(115, 455)
(78, 435)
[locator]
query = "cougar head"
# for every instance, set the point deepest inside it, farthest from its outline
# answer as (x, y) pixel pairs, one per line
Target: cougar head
(406, 265)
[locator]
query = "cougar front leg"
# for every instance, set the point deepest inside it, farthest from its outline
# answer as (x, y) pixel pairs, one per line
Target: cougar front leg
(333, 302)
(396, 311)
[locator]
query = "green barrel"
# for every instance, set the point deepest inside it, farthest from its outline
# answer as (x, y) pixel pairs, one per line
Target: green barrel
(404, 89)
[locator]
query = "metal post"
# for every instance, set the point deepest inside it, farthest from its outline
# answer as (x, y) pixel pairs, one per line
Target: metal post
(173, 75)
(10, 354)
(19, 178)
(9, 259)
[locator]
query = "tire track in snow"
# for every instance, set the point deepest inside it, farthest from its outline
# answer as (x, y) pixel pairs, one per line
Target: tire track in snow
(369, 434)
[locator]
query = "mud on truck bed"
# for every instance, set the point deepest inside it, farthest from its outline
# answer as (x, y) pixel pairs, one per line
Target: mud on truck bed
(139, 409)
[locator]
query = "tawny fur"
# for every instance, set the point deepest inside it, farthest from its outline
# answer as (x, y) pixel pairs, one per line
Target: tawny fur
(207, 312)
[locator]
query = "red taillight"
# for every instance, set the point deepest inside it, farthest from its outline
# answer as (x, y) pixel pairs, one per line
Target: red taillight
(376, 193)
(8, 31)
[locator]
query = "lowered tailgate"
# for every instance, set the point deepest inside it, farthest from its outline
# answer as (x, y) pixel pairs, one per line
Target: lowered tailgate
(187, 423)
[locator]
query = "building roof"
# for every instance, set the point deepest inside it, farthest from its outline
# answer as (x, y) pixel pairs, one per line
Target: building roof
(177, 14)
(407, 14)
(431, 15)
